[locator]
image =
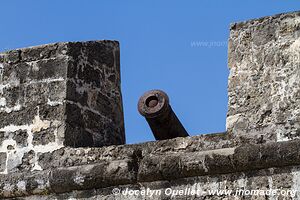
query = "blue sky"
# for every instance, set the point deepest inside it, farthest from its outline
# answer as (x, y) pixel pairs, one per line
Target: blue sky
(157, 49)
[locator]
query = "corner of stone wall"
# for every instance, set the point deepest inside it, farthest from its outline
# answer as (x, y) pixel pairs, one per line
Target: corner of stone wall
(57, 95)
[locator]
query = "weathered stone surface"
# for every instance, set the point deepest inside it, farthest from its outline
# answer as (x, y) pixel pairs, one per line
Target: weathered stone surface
(118, 172)
(284, 179)
(274, 159)
(17, 118)
(21, 138)
(63, 94)
(27, 161)
(264, 84)
(2, 161)
(93, 93)
(44, 137)
(81, 156)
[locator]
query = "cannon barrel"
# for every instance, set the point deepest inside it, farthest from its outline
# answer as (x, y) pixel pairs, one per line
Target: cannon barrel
(154, 106)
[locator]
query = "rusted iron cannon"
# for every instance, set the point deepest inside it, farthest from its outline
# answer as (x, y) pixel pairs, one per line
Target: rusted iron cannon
(154, 106)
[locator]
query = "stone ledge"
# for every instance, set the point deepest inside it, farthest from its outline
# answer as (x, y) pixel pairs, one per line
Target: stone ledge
(168, 166)
(65, 157)
(266, 19)
(40, 52)
(221, 161)
(284, 177)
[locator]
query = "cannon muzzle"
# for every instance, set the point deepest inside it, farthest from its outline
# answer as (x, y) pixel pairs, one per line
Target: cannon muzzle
(154, 106)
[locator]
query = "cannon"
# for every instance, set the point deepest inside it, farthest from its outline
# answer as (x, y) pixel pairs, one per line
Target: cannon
(154, 106)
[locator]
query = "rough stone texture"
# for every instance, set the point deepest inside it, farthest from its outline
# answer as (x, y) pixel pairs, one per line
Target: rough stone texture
(2, 161)
(171, 168)
(284, 179)
(264, 80)
(56, 95)
(71, 157)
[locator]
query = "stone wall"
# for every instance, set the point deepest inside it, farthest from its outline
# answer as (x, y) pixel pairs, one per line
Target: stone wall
(180, 163)
(51, 96)
(259, 151)
(268, 178)
(264, 80)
